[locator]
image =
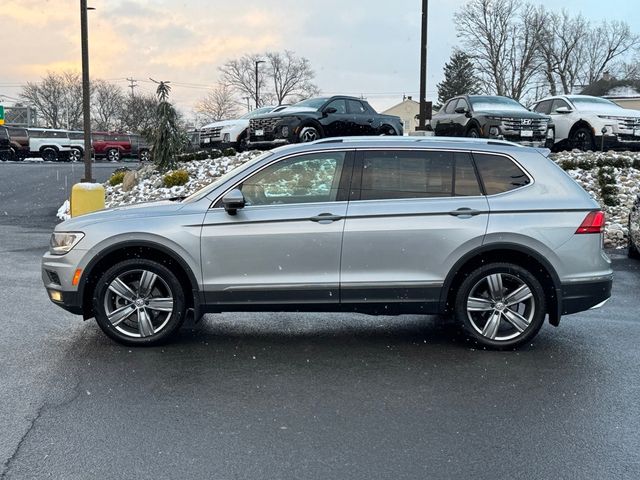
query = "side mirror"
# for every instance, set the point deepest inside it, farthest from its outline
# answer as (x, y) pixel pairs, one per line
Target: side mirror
(330, 110)
(460, 110)
(563, 110)
(233, 201)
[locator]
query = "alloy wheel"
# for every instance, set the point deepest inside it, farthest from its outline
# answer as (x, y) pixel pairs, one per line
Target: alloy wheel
(113, 155)
(144, 156)
(75, 155)
(308, 134)
(138, 303)
(501, 306)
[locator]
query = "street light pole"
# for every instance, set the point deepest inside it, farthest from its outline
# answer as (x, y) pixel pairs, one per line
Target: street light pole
(425, 108)
(258, 62)
(86, 94)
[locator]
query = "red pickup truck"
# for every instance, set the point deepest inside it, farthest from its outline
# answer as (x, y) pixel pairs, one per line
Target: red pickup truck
(114, 146)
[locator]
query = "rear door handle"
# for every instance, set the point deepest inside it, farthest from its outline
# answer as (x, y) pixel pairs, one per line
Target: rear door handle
(326, 218)
(465, 212)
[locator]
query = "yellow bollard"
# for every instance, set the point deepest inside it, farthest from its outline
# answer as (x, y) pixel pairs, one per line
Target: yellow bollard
(86, 198)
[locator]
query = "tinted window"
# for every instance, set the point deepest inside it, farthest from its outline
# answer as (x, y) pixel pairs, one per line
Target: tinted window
(36, 133)
(390, 174)
(340, 105)
(307, 178)
(499, 174)
(462, 103)
(356, 107)
(76, 135)
(17, 132)
(465, 179)
(98, 137)
(559, 103)
(451, 106)
(543, 107)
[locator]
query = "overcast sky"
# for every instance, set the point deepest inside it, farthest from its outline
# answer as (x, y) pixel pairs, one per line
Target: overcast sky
(368, 47)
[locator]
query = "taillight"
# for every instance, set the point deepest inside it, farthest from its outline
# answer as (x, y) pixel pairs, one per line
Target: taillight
(592, 223)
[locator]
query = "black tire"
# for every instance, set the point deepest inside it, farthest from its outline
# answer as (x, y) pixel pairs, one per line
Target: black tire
(473, 132)
(75, 155)
(632, 252)
(582, 138)
(509, 273)
(387, 130)
(50, 155)
(309, 133)
(124, 332)
(113, 155)
(242, 142)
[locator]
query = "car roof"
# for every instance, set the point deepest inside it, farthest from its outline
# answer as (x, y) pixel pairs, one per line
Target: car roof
(426, 142)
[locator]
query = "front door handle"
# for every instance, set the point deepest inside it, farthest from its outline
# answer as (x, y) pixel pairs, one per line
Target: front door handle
(370, 120)
(326, 218)
(465, 212)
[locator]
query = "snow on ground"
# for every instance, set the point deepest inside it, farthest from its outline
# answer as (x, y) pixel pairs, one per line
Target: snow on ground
(149, 185)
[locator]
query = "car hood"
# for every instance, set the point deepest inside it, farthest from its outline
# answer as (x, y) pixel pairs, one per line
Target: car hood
(287, 112)
(511, 114)
(614, 112)
(227, 123)
(148, 209)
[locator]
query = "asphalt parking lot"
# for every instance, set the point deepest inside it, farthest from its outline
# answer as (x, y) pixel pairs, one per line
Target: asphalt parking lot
(301, 396)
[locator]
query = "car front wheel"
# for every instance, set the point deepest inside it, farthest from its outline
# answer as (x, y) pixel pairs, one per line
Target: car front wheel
(145, 156)
(75, 155)
(309, 134)
(500, 305)
(139, 302)
(582, 139)
(113, 155)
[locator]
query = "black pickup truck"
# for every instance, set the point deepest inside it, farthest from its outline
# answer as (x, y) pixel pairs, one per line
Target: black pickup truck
(320, 117)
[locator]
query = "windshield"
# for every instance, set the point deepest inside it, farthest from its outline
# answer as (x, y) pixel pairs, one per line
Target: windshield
(593, 104)
(314, 103)
(204, 191)
(256, 112)
(495, 103)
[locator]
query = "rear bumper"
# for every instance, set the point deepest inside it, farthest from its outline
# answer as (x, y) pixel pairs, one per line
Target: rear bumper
(581, 296)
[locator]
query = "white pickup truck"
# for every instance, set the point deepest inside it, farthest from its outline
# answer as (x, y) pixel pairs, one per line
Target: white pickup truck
(51, 145)
(232, 133)
(591, 123)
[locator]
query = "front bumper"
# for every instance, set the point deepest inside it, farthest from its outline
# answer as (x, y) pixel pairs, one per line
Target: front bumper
(57, 277)
(266, 144)
(581, 296)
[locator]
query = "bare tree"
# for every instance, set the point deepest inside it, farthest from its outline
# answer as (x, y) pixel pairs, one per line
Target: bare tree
(562, 43)
(73, 99)
(502, 39)
(139, 114)
(606, 44)
(48, 98)
(282, 77)
(107, 105)
(219, 104)
(291, 76)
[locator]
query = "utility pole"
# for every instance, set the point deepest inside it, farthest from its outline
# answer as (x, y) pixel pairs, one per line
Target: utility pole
(248, 104)
(132, 84)
(258, 62)
(425, 108)
(86, 93)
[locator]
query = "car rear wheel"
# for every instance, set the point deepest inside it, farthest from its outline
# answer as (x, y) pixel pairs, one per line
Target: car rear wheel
(139, 302)
(582, 139)
(309, 134)
(500, 305)
(113, 155)
(75, 155)
(633, 248)
(50, 155)
(144, 156)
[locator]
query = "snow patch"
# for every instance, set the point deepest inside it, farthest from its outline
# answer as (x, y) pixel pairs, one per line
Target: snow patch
(64, 211)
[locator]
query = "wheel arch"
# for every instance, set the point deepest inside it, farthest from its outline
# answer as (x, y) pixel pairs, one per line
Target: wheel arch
(520, 255)
(582, 123)
(311, 122)
(136, 249)
(473, 123)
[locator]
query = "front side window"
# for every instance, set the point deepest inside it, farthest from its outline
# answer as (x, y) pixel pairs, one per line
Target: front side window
(401, 174)
(559, 103)
(499, 174)
(307, 178)
(543, 107)
(451, 106)
(462, 103)
(340, 105)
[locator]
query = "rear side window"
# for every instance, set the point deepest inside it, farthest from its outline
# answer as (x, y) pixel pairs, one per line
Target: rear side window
(356, 107)
(400, 174)
(499, 174)
(465, 180)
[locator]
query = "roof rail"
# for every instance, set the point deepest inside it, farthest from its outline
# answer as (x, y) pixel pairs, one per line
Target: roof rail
(416, 139)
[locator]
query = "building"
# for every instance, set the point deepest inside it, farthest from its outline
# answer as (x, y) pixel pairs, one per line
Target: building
(625, 93)
(408, 111)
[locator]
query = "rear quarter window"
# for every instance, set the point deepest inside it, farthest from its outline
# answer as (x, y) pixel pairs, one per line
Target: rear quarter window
(499, 174)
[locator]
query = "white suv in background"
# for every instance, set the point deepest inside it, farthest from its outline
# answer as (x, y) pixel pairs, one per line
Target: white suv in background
(232, 133)
(51, 145)
(591, 123)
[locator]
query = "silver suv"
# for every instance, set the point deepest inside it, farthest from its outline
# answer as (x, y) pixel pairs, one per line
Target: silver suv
(491, 232)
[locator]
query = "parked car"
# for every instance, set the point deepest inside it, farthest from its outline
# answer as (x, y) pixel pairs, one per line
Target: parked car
(634, 229)
(111, 145)
(492, 116)
(140, 148)
(490, 232)
(5, 147)
(232, 133)
(193, 141)
(591, 123)
(320, 117)
(19, 142)
(51, 144)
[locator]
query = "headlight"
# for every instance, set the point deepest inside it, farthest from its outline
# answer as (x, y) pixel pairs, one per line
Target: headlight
(63, 242)
(613, 117)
